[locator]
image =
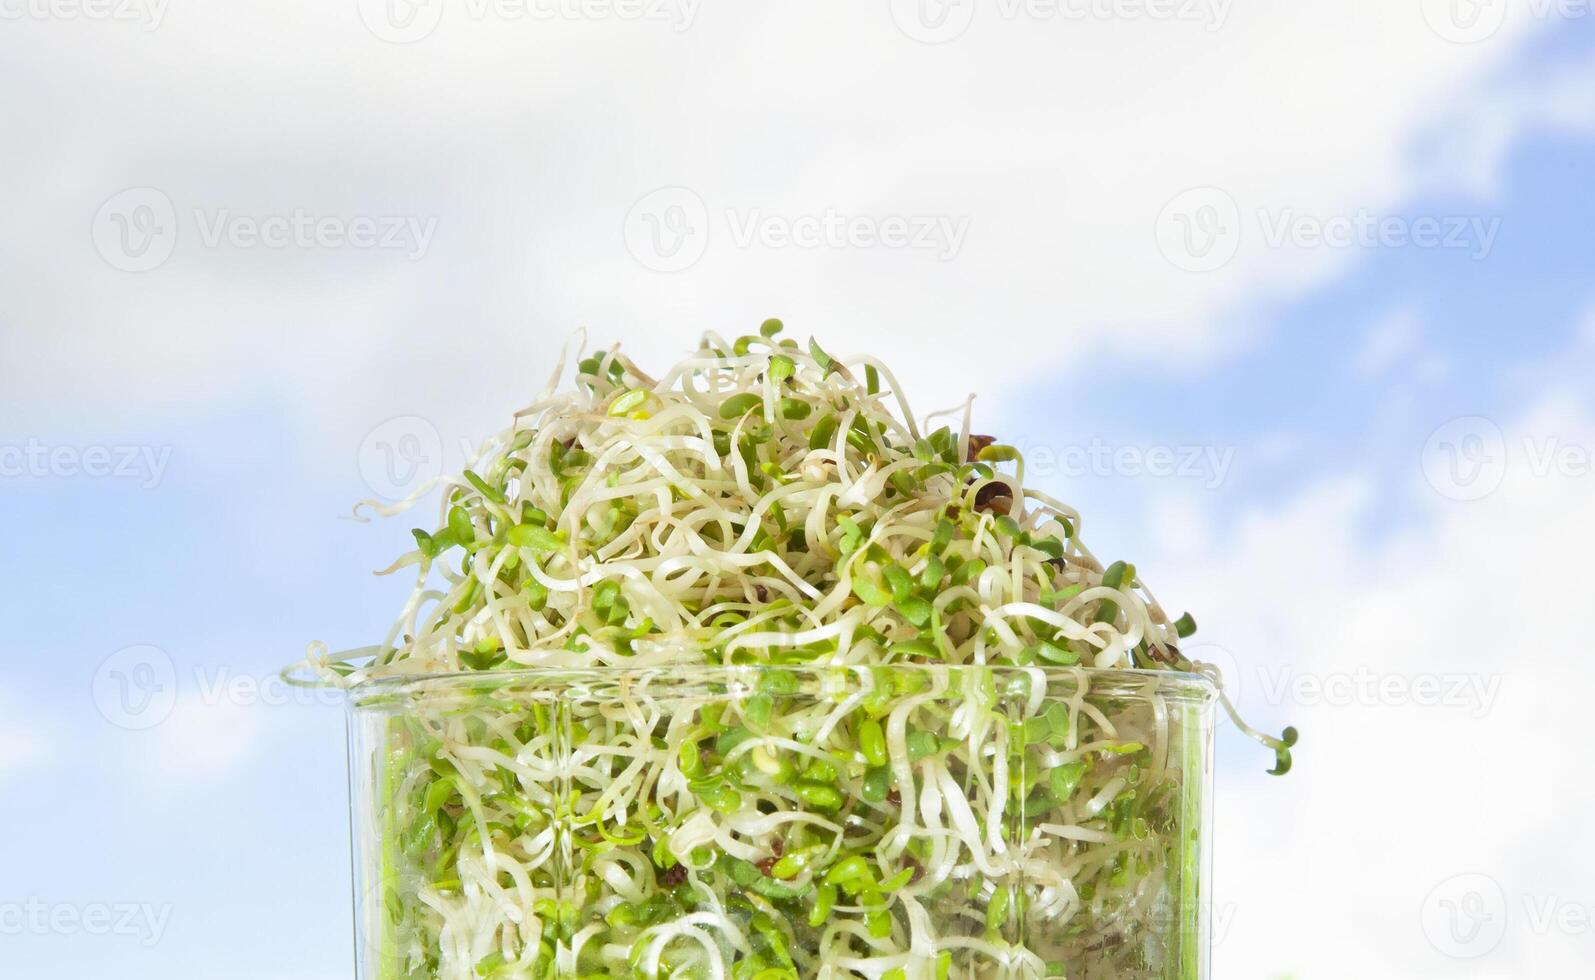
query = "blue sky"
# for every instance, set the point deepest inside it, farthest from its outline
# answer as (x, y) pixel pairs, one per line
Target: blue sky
(1477, 336)
(1320, 549)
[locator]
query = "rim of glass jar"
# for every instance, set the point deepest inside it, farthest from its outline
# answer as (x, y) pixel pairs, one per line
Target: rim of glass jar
(1183, 686)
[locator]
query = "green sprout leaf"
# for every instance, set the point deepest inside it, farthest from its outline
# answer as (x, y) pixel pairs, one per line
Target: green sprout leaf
(739, 405)
(536, 538)
(1185, 626)
(628, 403)
(1282, 749)
(821, 358)
(782, 367)
(482, 488)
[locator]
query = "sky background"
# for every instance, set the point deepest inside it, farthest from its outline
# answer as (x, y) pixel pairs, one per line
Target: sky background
(1292, 301)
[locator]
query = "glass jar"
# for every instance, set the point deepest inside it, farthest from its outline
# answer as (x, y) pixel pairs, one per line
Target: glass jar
(893, 822)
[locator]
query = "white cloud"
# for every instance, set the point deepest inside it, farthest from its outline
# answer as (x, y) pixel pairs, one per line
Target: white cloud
(26, 741)
(224, 724)
(205, 739)
(1586, 331)
(1475, 143)
(1060, 141)
(1329, 868)
(1389, 340)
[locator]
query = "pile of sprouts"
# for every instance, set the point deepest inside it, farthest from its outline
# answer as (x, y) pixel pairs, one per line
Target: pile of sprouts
(835, 694)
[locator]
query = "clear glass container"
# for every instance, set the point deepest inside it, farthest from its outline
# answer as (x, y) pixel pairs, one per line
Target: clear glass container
(760, 822)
